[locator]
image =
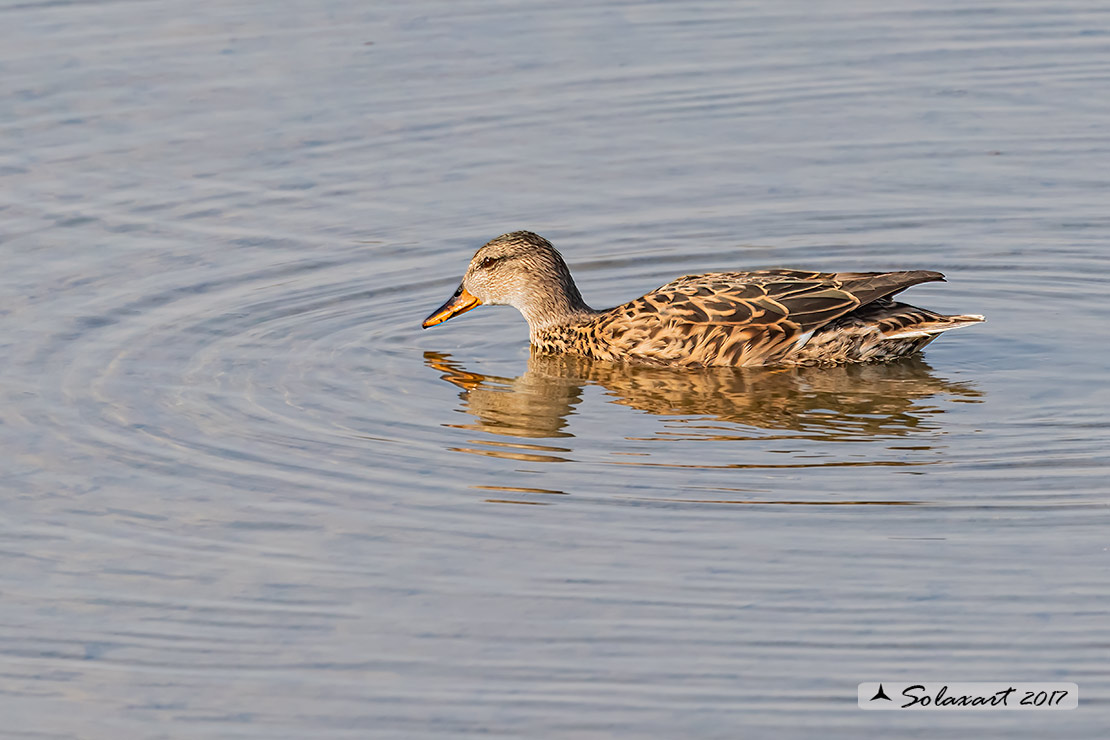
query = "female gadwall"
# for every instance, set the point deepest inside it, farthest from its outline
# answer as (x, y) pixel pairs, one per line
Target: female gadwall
(762, 317)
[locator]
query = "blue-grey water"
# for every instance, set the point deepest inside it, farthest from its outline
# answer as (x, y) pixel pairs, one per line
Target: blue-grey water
(244, 495)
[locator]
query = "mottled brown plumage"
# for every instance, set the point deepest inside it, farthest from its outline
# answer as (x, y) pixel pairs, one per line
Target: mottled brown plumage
(761, 317)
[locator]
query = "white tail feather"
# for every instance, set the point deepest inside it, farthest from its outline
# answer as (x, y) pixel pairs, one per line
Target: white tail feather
(929, 331)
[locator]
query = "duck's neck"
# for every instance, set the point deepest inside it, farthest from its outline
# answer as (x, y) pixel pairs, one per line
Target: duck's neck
(546, 310)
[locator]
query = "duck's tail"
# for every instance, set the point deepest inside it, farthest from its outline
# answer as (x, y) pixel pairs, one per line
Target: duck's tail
(927, 324)
(880, 331)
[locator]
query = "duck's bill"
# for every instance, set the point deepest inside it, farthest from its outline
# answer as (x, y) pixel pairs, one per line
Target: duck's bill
(461, 302)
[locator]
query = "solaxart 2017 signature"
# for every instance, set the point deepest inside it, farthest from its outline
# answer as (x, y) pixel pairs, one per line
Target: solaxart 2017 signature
(917, 695)
(968, 696)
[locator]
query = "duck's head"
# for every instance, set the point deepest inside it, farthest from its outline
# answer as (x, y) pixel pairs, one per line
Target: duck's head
(520, 269)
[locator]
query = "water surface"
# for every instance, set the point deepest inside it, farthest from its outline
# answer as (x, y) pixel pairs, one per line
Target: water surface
(246, 496)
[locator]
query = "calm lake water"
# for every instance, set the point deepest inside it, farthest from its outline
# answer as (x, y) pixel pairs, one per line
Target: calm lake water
(246, 496)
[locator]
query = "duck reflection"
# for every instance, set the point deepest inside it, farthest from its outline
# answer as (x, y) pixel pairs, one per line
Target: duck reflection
(844, 402)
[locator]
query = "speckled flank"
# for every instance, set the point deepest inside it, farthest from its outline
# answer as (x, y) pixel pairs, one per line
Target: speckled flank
(762, 317)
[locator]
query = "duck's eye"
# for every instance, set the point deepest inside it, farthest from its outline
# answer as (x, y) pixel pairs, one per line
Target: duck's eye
(489, 262)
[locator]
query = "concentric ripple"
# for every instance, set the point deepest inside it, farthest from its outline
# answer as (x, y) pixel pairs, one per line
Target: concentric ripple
(280, 377)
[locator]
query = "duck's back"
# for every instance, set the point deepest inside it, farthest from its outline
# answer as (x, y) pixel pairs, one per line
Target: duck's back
(763, 317)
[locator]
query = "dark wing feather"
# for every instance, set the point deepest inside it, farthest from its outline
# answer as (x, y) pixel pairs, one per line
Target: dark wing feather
(870, 286)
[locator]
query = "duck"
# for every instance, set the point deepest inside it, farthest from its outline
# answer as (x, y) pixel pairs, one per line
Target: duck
(776, 317)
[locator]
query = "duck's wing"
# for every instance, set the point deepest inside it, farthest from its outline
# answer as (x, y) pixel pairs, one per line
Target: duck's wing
(743, 318)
